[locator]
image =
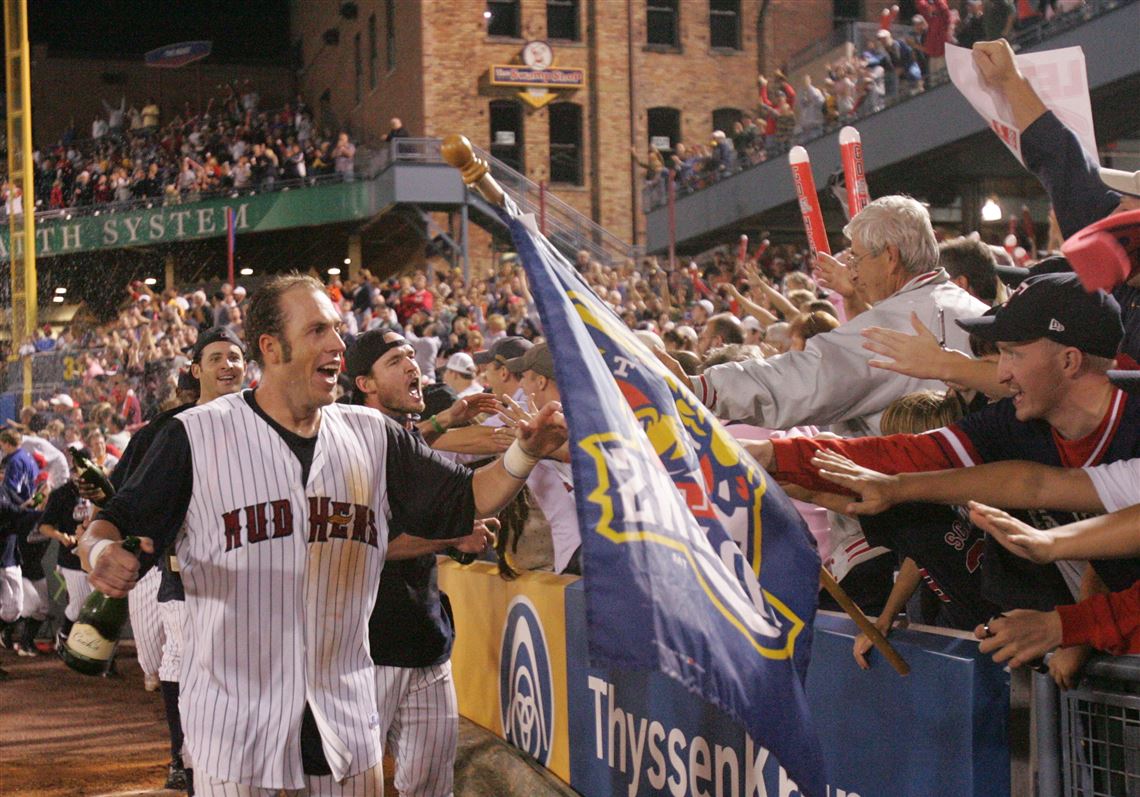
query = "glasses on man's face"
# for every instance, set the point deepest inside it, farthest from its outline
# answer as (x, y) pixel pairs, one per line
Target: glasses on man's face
(853, 260)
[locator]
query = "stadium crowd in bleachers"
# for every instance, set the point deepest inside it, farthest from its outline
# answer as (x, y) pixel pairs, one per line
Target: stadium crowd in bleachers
(145, 154)
(884, 67)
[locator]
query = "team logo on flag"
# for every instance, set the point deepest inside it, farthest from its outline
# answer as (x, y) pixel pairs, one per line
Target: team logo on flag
(526, 688)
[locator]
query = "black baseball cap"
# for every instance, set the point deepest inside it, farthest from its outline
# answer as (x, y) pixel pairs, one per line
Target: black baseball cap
(1054, 306)
(214, 335)
(502, 350)
(368, 348)
(537, 359)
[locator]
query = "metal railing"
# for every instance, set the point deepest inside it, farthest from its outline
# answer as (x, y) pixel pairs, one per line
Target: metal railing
(566, 227)
(1100, 730)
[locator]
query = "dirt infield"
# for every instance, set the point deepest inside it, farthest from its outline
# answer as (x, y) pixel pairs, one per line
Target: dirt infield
(68, 735)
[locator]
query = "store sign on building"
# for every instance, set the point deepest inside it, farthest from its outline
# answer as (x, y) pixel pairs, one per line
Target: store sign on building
(537, 75)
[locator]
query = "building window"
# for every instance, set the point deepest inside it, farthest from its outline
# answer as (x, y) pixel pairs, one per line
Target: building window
(507, 133)
(724, 118)
(373, 52)
(844, 10)
(358, 68)
(503, 18)
(664, 129)
(566, 143)
(661, 23)
(390, 33)
(724, 24)
(562, 20)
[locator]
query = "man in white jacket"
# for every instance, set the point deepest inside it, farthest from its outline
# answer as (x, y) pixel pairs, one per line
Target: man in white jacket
(893, 262)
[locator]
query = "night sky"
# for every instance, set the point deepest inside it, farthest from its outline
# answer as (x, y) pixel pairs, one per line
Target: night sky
(242, 30)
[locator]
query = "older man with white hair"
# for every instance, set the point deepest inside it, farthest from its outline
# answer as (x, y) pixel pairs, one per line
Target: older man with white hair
(893, 261)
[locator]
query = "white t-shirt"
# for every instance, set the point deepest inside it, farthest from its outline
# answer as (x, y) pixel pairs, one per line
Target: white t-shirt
(1117, 484)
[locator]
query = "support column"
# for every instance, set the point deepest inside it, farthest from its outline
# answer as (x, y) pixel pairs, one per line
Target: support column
(355, 256)
(168, 271)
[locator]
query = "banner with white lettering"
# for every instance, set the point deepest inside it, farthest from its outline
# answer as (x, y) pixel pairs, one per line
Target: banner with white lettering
(666, 501)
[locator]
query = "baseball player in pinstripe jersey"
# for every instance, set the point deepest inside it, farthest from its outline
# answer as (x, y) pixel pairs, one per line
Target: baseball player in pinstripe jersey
(412, 626)
(284, 502)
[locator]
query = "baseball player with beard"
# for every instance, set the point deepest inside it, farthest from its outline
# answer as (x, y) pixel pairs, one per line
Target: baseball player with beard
(411, 629)
(283, 502)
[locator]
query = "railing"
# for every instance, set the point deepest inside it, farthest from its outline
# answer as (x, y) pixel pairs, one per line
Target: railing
(565, 225)
(1100, 730)
(1026, 37)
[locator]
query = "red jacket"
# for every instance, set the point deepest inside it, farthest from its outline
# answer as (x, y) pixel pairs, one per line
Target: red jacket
(1108, 622)
(937, 14)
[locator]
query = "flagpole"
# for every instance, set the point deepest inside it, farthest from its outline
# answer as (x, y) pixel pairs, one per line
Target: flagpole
(866, 626)
(457, 151)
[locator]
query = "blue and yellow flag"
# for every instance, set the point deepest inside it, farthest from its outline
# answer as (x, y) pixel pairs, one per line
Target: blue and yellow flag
(695, 564)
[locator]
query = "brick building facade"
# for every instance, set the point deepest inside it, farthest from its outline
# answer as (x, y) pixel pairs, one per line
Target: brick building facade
(651, 67)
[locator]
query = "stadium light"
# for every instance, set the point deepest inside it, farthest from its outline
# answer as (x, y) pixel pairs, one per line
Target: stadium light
(57, 299)
(61, 290)
(150, 281)
(334, 272)
(246, 272)
(348, 261)
(991, 210)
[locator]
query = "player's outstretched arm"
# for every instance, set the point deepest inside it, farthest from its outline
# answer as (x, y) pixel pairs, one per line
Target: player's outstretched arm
(496, 484)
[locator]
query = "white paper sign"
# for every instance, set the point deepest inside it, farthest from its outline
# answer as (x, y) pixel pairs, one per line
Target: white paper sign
(1058, 76)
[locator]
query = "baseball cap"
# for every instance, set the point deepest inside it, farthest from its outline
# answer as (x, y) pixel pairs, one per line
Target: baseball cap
(438, 398)
(63, 400)
(537, 359)
(1054, 306)
(502, 350)
(1122, 181)
(751, 322)
(707, 305)
(214, 335)
(368, 348)
(461, 363)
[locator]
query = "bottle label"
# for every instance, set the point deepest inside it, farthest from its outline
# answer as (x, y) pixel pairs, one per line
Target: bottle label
(86, 641)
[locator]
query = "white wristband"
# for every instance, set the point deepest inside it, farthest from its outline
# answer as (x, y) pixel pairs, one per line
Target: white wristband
(97, 551)
(517, 462)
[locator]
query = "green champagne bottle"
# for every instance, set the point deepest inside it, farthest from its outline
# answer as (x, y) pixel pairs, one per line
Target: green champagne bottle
(462, 557)
(92, 474)
(92, 640)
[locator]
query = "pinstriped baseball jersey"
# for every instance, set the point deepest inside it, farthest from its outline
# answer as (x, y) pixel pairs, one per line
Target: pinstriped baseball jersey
(280, 579)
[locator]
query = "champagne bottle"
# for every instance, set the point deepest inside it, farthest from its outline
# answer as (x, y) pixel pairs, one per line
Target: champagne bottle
(462, 557)
(92, 474)
(93, 637)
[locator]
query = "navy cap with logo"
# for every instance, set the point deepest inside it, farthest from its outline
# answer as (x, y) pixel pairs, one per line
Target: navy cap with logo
(502, 350)
(214, 335)
(1054, 306)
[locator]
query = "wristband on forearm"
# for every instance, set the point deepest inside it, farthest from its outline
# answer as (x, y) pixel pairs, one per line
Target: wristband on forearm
(97, 550)
(434, 421)
(517, 463)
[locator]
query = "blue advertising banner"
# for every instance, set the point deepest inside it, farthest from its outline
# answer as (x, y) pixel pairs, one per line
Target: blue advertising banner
(939, 732)
(175, 55)
(666, 502)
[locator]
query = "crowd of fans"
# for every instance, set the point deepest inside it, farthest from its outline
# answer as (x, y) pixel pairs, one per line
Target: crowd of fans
(906, 369)
(885, 66)
(135, 154)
